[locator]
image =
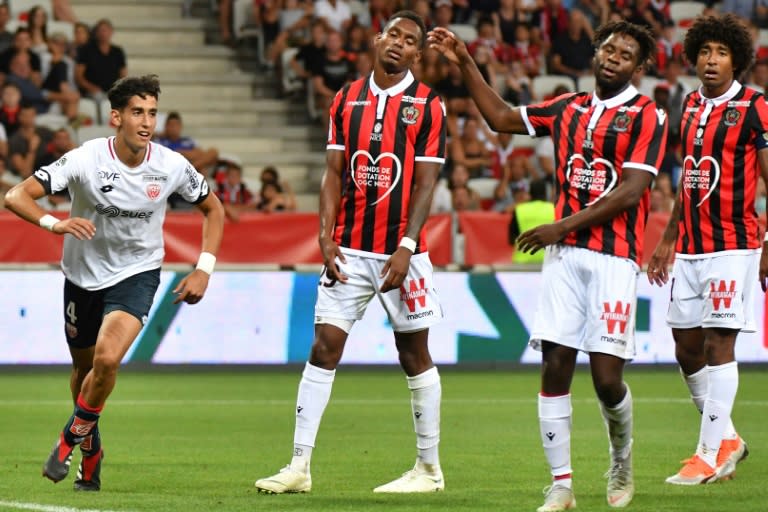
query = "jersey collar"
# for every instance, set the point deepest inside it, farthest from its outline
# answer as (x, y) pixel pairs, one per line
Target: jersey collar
(621, 98)
(395, 89)
(113, 151)
(727, 96)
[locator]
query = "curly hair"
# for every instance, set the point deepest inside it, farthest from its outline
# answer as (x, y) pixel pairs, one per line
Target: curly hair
(126, 88)
(728, 30)
(642, 35)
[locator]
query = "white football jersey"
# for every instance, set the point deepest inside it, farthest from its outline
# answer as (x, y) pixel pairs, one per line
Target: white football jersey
(127, 206)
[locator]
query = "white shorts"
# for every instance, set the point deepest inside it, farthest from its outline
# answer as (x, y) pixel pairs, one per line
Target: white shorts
(587, 302)
(715, 291)
(415, 306)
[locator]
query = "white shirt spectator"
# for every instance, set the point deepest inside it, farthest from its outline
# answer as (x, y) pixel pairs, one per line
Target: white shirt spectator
(335, 16)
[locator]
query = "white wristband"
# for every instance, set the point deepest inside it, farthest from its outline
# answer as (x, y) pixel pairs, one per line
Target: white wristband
(206, 262)
(765, 238)
(408, 243)
(47, 221)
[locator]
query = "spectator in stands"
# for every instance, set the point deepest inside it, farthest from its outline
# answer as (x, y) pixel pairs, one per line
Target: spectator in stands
(487, 38)
(364, 65)
(59, 71)
(502, 151)
(27, 147)
(22, 44)
(668, 48)
(470, 151)
(378, 14)
(459, 179)
(232, 190)
(10, 95)
(37, 23)
(173, 138)
(6, 38)
(596, 11)
(225, 22)
(443, 13)
(644, 13)
(451, 87)
(517, 175)
(20, 73)
(270, 175)
(505, 22)
(272, 198)
(572, 51)
(487, 64)
(758, 76)
(99, 63)
(526, 52)
(330, 73)
(59, 145)
(545, 157)
(554, 21)
(753, 10)
(678, 90)
(442, 202)
(528, 214)
(311, 52)
(62, 11)
(336, 14)
(517, 90)
(356, 41)
(461, 199)
(294, 21)
(663, 184)
(82, 34)
(761, 52)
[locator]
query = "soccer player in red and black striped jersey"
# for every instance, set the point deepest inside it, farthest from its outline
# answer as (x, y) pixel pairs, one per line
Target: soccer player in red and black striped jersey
(386, 144)
(608, 146)
(713, 230)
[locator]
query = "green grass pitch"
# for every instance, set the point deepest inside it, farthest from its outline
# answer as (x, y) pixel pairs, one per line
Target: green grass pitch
(196, 441)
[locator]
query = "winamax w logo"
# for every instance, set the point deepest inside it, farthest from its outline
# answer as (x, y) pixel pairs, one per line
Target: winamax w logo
(722, 293)
(619, 316)
(417, 292)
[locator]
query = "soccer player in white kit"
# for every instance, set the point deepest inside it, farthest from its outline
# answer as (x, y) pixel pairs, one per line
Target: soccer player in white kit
(113, 250)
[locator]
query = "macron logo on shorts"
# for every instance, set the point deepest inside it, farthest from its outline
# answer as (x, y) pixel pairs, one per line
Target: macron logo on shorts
(618, 317)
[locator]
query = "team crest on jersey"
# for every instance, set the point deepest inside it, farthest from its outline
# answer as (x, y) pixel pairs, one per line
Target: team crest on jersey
(153, 191)
(731, 117)
(410, 115)
(71, 330)
(621, 123)
(376, 135)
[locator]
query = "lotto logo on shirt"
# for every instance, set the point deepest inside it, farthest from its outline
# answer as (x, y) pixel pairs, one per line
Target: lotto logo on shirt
(596, 176)
(701, 175)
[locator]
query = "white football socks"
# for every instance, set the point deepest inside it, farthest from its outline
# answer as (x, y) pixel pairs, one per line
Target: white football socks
(425, 405)
(314, 393)
(618, 421)
(723, 384)
(555, 427)
(698, 384)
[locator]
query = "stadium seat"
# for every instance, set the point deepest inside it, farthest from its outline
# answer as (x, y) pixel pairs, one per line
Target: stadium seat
(88, 107)
(358, 8)
(586, 83)
(85, 133)
(543, 85)
(19, 8)
(466, 33)
(51, 121)
(684, 10)
(314, 115)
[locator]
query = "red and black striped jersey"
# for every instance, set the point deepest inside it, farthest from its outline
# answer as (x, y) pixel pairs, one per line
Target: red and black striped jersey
(720, 140)
(383, 134)
(595, 140)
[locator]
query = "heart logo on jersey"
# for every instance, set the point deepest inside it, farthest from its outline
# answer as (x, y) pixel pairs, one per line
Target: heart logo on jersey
(367, 173)
(598, 176)
(697, 175)
(153, 191)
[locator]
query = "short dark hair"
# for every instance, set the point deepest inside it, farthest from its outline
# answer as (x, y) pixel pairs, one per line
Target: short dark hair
(642, 35)
(173, 115)
(410, 15)
(126, 88)
(538, 189)
(726, 29)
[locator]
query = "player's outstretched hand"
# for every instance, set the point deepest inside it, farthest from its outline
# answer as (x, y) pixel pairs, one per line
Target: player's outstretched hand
(446, 42)
(539, 237)
(80, 228)
(658, 267)
(764, 268)
(330, 251)
(395, 270)
(192, 288)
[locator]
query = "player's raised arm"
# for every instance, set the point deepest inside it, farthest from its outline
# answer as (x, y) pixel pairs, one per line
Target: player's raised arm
(21, 200)
(499, 115)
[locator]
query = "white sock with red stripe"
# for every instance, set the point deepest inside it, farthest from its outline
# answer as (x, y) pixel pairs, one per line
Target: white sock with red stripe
(555, 427)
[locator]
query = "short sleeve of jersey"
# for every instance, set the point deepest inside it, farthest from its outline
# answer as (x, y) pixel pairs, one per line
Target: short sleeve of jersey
(540, 118)
(649, 140)
(336, 124)
(760, 122)
(430, 142)
(192, 185)
(57, 176)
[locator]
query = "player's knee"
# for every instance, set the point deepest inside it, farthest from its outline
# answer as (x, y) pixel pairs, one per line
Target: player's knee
(105, 364)
(609, 389)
